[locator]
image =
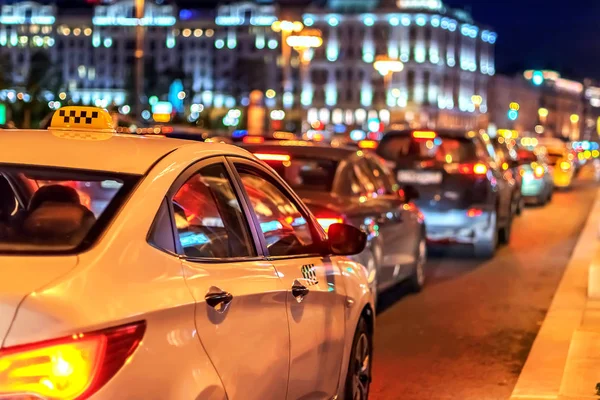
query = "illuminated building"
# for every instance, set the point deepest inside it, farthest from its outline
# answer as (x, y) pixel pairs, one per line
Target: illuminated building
(550, 105)
(226, 53)
(447, 57)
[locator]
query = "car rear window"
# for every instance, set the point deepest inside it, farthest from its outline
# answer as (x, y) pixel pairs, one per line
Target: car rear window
(306, 173)
(57, 210)
(527, 157)
(553, 158)
(406, 149)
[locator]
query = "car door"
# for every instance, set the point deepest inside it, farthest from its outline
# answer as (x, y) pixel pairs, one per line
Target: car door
(398, 253)
(499, 183)
(407, 230)
(240, 316)
(315, 292)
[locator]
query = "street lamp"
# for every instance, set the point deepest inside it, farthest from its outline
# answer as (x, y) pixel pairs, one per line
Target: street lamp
(286, 28)
(140, 6)
(386, 66)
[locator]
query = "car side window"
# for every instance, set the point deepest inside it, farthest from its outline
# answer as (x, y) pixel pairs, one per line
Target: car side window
(382, 177)
(365, 177)
(350, 184)
(286, 230)
(208, 216)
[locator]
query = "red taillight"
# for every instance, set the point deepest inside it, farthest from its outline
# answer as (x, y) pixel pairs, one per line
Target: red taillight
(424, 135)
(272, 157)
(474, 212)
(468, 169)
(69, 368)
(326, 222)
(167, 129)
(253, 139)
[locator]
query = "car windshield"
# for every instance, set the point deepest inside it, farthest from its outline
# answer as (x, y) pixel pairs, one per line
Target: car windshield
(62, 210)
(406, 149)
(307, 173)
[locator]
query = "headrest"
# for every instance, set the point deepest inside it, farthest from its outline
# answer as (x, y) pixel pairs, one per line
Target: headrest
(59, 221)
(55, 194)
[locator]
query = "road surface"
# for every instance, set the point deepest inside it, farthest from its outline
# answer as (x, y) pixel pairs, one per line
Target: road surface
(466, 336)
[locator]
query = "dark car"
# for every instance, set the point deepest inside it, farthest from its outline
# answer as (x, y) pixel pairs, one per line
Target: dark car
(463, 193)
(508, 160)
(348, 185)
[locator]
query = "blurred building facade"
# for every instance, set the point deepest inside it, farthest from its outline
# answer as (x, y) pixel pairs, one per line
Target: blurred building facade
(548, 105)
(221, 56)
(448, 59)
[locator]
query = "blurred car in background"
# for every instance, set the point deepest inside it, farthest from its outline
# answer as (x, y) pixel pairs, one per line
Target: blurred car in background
(351, 186)
(538, 183)
(507, 159)
(561, 167)
(465, 197)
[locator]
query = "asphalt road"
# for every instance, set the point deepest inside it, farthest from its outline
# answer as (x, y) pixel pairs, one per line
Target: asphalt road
(466, 336)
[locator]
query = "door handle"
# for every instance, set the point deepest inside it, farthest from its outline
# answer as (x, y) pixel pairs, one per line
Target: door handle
(218, 299)
(299, 291)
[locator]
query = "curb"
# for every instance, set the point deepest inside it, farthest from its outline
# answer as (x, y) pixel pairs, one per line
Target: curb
(559, 365)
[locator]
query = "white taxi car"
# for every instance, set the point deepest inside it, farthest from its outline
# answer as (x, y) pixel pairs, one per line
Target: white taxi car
(191, 271)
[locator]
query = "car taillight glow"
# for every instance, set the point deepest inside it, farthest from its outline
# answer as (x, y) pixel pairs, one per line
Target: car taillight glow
(272, 157)
(474, 212)
(479, 169)
(67, 368)
(538, 171)
(253, 139)
(424, 135)
(327, 222)
(367, 144)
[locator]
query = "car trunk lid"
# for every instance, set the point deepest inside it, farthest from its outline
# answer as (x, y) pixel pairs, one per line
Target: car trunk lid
(22, 275)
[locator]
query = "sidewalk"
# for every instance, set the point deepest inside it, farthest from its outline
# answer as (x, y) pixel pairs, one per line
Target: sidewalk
(564, 362)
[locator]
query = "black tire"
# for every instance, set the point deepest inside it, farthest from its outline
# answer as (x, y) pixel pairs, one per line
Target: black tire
(417, 278)
(504, 234)
(520, 206)
(358, 379)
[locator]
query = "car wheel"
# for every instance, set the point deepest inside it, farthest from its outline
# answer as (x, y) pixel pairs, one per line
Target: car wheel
(486, 247)
(520, 206)
(417, 279)
(504, 237)
(358, 379)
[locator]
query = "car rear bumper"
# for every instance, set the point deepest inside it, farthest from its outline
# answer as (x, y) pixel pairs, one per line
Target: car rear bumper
(455, 226)
(532, 187)
(562, 180)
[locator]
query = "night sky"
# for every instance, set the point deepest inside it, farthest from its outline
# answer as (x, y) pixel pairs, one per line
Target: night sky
(555, 34)
(562, 35)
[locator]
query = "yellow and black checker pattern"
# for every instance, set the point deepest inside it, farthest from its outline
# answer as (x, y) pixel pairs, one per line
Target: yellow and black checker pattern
(82, 118)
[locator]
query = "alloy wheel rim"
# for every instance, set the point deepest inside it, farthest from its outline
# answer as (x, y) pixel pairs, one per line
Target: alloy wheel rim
(362, 368)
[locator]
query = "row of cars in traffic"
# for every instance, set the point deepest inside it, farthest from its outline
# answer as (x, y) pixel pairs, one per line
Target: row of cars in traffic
(138, 266)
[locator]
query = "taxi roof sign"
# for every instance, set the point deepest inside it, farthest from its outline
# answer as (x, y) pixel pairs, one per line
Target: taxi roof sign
(82, 118)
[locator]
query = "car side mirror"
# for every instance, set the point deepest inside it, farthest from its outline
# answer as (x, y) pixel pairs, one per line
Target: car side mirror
(346, 240)
(411, 193)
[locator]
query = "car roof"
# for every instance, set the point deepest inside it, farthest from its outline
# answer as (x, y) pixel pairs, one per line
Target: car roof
(94, 151)
(302, 148)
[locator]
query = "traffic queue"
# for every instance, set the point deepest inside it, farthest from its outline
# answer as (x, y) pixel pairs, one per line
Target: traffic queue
(143, 266)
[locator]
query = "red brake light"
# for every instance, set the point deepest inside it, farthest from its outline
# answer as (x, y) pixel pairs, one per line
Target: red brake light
(69, 368)
(424, 135)
(326, 222)
(167, 129)
(253, 139)
(474, 212)
(272, 157)
(468, 169)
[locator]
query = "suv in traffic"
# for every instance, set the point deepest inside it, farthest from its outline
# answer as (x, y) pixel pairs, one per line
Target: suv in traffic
(463, 193)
